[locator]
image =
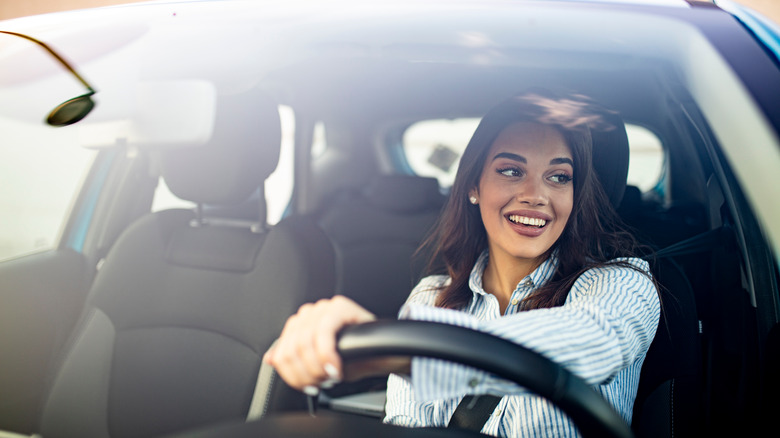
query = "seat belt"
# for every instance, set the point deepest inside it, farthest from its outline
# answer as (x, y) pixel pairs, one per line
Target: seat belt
(473, 411)
(701, 242)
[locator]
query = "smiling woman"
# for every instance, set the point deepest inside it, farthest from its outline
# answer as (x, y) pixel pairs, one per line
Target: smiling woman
(535, 253)
(525, 197)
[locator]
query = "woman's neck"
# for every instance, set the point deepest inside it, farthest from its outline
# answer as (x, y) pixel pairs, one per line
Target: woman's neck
(502, 274)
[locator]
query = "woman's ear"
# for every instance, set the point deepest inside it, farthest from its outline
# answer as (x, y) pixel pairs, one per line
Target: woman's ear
(473, 198)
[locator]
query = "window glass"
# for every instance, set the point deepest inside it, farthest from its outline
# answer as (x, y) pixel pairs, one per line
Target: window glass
(646, 159)
(433, 147)
(278, 186)
(165, 199)
(318, 143)
(41, 171)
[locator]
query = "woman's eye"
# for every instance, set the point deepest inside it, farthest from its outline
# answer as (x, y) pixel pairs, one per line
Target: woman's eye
(561, 178)
(509, 171)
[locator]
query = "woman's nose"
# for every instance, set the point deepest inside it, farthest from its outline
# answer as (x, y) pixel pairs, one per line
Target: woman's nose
(532, 193)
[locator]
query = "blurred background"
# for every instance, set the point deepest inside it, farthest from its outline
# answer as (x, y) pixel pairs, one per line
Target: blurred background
(17, 8)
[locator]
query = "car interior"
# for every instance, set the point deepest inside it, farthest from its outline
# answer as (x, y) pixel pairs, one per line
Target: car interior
(161, 318)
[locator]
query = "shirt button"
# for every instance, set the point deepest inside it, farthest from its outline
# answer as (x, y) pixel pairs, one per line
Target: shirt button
(515, 301)
(473, 382)
(528, 282)
(497, 413)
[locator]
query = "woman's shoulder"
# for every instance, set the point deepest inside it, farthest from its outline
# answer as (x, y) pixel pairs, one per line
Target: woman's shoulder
(428, 289)
(626, 268)
(619, 283)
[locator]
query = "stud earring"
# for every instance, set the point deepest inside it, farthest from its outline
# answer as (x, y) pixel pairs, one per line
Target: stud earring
(473, 199)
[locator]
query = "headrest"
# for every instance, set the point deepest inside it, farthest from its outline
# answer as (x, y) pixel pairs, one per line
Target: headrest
(631, 205)
(242, 152)
(404, 193)
(610, 156)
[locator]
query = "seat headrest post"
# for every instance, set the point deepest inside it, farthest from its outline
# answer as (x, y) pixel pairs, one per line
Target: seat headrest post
(261, 226)
(198, 221)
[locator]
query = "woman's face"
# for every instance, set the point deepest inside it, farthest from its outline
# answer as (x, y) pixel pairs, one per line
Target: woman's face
(525, 193)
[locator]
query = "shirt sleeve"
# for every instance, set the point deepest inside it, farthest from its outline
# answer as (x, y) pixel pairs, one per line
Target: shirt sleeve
(607, 322)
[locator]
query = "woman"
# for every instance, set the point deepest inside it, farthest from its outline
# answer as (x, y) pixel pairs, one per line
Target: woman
(534, 254)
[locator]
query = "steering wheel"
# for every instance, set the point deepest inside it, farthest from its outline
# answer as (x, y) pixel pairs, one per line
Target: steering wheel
(590, 412)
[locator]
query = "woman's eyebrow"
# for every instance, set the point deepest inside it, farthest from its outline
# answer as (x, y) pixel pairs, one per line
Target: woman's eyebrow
(562, 160)
(521, 159)
(511, 156)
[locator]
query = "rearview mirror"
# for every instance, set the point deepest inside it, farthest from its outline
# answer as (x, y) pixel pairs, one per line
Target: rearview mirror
(71, 111)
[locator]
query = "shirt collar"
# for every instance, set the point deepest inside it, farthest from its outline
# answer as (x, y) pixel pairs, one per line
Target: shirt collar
(539, 277)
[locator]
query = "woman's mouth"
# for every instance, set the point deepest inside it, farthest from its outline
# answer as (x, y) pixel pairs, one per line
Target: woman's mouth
(529, 221)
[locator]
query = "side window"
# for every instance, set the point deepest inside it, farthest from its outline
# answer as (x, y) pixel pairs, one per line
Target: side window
(164, 199)
(433, 147)
(278, 186)
(645, 166)
(319, 143)
(41, 171)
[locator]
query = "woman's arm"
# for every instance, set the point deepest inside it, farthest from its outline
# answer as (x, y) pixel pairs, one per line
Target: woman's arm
(607, 323)
(305, 353)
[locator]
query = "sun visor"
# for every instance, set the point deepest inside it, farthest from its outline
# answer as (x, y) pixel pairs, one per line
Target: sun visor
(167, 114)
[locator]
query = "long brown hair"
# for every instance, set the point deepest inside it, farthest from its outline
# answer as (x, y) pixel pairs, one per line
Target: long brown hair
(593, 235)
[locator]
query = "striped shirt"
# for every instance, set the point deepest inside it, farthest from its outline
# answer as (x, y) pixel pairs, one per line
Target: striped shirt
(601, 334)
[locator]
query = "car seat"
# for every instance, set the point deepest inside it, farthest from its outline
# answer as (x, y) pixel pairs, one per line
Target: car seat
(666, 401)
(375, 232)
(184, 306)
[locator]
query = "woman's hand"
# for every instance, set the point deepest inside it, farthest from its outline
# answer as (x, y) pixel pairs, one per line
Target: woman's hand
(305, 353)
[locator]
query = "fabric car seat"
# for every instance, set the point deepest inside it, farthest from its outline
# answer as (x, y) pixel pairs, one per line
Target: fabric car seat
(184, 306)
(666, 399)
(375, 233)
(667, 395)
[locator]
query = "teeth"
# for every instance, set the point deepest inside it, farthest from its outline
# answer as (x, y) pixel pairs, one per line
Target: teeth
(535, 222)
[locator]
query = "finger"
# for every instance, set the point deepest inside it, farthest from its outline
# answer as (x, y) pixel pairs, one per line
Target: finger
(294, 373)
(298, 352)
(312, 319)
(284, 355)
(343, 311)
(325, 350)
(354, 313)
(324, 340)
(310, 361)
(291, 365)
